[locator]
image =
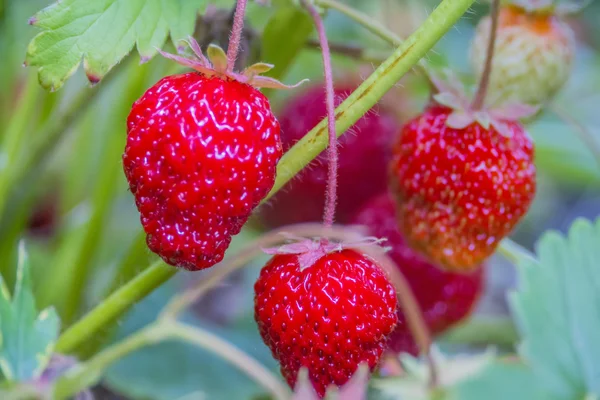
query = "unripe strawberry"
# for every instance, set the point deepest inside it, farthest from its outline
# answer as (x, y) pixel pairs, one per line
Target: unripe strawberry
(533, 55)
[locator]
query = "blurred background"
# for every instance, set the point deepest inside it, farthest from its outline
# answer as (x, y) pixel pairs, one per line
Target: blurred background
(62, 188)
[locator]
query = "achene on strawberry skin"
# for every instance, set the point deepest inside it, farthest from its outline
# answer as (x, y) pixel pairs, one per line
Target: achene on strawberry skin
(202, 150)
(201, 154)
(364, 154)
(461, 190)
(329, 317)
(445, 298)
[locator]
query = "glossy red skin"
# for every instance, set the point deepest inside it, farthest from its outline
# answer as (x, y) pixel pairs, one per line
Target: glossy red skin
(364, 154)
(460, 191)
(445, 298)
(201, 154)
(329, 317)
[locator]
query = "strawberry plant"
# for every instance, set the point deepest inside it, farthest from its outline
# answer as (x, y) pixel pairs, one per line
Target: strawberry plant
(431, 194)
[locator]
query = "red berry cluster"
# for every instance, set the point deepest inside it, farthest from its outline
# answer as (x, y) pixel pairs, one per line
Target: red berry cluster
(444, 190)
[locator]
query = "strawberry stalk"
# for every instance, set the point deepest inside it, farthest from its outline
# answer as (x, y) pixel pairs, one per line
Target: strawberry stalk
(236, 34)
(479, 100)
(355, 106)
(89, 373)
(331, 195)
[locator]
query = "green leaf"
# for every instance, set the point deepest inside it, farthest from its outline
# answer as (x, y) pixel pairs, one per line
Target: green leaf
(453, 371)
(557, 308)
(27, 338)
(501, 381)
(284, 36)
(102, 32)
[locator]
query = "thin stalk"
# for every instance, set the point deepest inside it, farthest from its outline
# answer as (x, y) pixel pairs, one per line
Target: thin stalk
(372, 26)
(410, 307)
(236, 34)
(235, 356)
(514, 252)
(479, 100)
(15, 136)
(584, 134)
(355, 106)
(89, 373)
(331, 194)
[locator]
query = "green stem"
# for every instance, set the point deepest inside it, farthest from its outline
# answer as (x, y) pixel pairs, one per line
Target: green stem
(373, 88)
(90, 372)
(114, 306)
(15, 136)
(87, 374)
(371, 25)
(315, 141)
(235, 356)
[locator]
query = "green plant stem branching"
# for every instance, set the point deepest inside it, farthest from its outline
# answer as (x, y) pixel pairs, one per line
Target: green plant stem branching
(87, 374)
(332, 149)
(357, 104)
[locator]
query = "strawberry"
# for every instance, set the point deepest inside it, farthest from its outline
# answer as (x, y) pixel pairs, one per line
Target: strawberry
(364, 154)
(445, 298)
(328, 313)
(533, 54)
(463, 179)
(201, 153)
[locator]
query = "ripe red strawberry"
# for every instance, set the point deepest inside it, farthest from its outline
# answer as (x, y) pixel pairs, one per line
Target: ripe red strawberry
(533, 55)
(445, 297)
(364, 154)
(201, 153)
(328, 316)
(461, 186)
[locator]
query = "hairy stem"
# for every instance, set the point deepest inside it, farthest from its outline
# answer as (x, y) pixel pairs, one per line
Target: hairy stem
(331, 194)
(236, 34)
(479, 100)
(355, 106)
(372, 89)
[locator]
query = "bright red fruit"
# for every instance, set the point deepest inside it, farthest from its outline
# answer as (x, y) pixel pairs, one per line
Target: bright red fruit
(460, 191)
(328, 317)
(445, 298)
(364, 154)
(201, 154)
